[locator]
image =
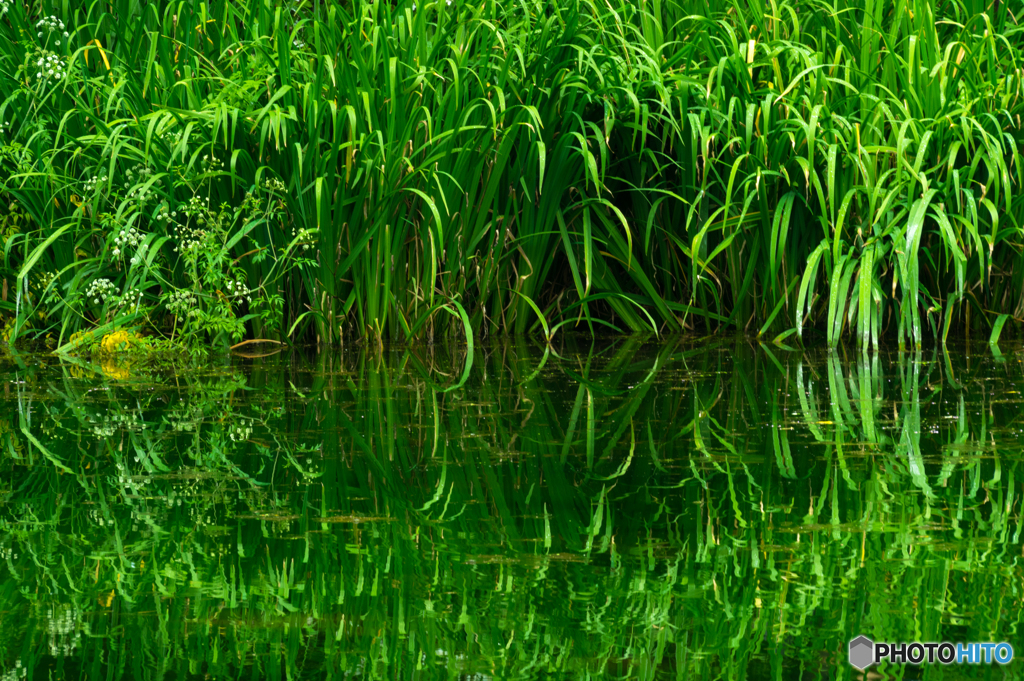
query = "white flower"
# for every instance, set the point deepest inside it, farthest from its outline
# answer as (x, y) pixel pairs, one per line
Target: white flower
(99, 290)
(117, 252)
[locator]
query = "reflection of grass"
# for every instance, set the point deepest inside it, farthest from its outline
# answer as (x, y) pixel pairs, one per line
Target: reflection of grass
(415, 538)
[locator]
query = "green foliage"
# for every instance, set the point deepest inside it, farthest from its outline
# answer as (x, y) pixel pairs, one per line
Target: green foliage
(850, 167)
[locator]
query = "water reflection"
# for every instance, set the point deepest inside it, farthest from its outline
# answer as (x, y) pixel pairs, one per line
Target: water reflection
(711, 511)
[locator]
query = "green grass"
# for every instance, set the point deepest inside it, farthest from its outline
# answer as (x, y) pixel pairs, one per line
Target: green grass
(847, 169)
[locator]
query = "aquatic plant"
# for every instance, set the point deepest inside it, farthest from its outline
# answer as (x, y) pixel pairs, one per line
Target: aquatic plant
(847, 167)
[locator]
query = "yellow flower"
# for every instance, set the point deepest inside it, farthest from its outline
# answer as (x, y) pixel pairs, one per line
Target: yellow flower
(119, 341)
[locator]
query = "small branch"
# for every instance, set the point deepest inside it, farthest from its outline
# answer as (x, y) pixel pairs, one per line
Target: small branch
(255, 340)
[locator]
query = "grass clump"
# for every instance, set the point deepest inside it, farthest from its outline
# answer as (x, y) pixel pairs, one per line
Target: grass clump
(328, 170)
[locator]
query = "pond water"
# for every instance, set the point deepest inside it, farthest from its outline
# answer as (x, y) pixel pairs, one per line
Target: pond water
(678, 511)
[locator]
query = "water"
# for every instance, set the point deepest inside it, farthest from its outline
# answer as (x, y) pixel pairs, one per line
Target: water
(708, 510)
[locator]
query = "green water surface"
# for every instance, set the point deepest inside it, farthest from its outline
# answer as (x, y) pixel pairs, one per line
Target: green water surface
(621, 511)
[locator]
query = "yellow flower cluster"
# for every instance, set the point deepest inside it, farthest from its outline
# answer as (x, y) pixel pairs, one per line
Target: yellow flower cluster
(120, 341)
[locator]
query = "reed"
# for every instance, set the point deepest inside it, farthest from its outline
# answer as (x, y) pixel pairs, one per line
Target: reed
(401, 171)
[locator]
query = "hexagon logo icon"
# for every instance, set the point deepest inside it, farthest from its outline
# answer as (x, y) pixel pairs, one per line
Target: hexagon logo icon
(862, 652)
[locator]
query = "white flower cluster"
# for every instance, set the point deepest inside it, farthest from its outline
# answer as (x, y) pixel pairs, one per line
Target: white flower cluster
(4, 6)
(132, 297)
(303, 235)
(61, 622)
(188, 238)
(241, 431)
(99, 291)
(127, 237)
(140, 193)
(185, 418)
(51, 24)
(141, 515)
(199, 517)
(103, 431)
(93, 182)
(182, 426)
(126, 421)
(256, 204)
(165, 214)
(182, 303)
(50, 66)
(17, 672)
(237, 289)
(196, 208)
(5, 126)
(132, 483)
(298, 44)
